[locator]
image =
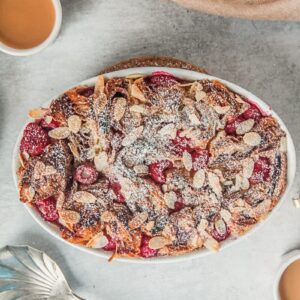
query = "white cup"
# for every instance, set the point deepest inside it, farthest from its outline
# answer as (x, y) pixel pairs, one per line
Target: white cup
(50, 39)
(287, 260)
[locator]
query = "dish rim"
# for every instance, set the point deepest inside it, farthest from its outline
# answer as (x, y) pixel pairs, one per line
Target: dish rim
(184, 74)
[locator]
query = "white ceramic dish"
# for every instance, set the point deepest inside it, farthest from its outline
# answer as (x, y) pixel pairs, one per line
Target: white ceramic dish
(189, 75)
(50, 39)
(287, 259)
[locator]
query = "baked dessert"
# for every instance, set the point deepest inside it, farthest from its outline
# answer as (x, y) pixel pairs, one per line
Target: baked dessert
(146, 166)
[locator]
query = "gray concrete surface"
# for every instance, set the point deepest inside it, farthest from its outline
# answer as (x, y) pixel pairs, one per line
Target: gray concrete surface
(263, 57)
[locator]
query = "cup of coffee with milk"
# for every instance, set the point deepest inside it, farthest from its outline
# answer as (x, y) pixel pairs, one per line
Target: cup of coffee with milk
(28, 26)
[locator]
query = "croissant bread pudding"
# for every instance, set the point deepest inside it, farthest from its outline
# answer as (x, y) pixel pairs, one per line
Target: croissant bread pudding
(154, 165)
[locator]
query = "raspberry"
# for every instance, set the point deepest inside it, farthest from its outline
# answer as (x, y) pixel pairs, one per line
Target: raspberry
(145, 251)
(161, 79)
(111, 246)
(200, 159)
(157, 170)
(86, 174)
(34, 140)
(252, 113)
(261, 170)
(47, 209)
(116, 187)
(180, 144)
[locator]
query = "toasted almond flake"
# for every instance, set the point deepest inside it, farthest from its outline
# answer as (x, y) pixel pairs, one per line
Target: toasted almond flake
(283, 144)
(141, 169)
(106, 216)
(69, 216)
(149, 226)
(101, 161)
(132, 136)
(202, 226)
(138, 108)
(187, 160)
(59, 133)
(98, 241)
(188, 101)
(99, 86)
(239, 99)
(198, 179)
(22, 160)
(200, 95)
(25, 155)
(158, 242)
(211, 244)
(74, 150)
(225, 214)
(193, 119)
(138, 220)
(126, 186)
(244, 126)
(252, 139)
(214, 183)
(170, 199)
(296, 202)
(137, 93)
(245, 184)
(60, 200)
(74, 123)
(48, 119)
(84, 197)
(228, 182)
(99, 103)
(248, 166)
(221, 110)
(168, 130)
(37, 113)
(134, 76)
(31, 193)
(119, 108)
(49, 170)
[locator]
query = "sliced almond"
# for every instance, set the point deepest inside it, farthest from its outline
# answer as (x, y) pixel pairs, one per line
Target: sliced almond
(245, 184)
(99, 86)
(138, 220)
(244, 126)
(212, 244)
(98, 241)
(225, 214)
(49, 170)
(188, 101)
(248, 166)
(69, 216)
(139, 108)
(48, 119)
(193, 119)
(198, 179)
(221, 110)
(132, 136)
(134, 76)
(60, 200)
(283, 144)
(119, 108)
(74, 123)
(168, 130)
(59, 133)
(170, 199)
(252, 139)
(74, 150)
(126, 186)
(141, 169)
(30, 193)
(38, 113)
(214, 183)
(101, 161)
(137, 93)
(200, 95)
(84, 197)
(158, 242)
(187, 160)
(201, 227)
(25, 155)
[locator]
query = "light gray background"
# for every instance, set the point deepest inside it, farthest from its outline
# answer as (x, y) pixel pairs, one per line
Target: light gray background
(260, 56)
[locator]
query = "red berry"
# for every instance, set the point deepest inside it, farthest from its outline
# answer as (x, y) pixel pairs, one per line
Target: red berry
(200, 159)
(86, 92)
(221, 231)
(232, 123)
(116, 187)
(52, 124)
(47, 208)
(86, 174)
(261, 170)
(111, 246)
(161, 79)
(179, 205)
(34, 139)
(252, 113)
(157, 170)
(180, 144)
(145, 251)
